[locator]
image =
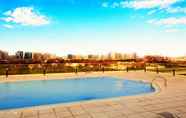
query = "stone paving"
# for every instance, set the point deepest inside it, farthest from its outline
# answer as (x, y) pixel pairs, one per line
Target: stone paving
(168, 102)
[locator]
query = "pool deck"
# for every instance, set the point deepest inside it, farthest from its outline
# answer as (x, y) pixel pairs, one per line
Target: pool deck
(168, 102)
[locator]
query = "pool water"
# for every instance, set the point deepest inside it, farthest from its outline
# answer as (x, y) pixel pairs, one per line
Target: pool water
(43, 92)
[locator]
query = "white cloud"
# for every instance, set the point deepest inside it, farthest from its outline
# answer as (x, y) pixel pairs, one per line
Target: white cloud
(169, 21)
(115, 5)
(8, 26)
(151, 12)
(152, 21)
(172, 30)
(153, 5)
(7, 13)
(105, 4)
(25, 16)
(176, 10)
(147, 4)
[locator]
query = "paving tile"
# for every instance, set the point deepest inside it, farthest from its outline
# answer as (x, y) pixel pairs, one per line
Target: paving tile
(2, 114)
(47, 116)
(11, 114)
(60, 109)
(29, 113)
(127, 111)
(64, 114)
(99, 115)
(151, 108)
(116, 107)
(111, 103)
(75, 107)
(95, 110)
(83, 116)
(137, 109)
(181, 109)
(46, 111)
(115, 114)
(31, 117)
(78, 112)
(135, 116)
(150, 115)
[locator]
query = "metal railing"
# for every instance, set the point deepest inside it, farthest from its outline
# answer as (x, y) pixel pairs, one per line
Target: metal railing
(62, 68)
(159, 77)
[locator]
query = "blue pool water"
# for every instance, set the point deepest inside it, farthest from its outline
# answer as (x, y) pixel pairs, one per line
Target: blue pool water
(44, 92)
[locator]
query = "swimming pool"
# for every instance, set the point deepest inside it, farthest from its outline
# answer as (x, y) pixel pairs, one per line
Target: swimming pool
(44, 92)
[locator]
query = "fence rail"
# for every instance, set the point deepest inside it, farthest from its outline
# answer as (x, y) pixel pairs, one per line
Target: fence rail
(65, 68)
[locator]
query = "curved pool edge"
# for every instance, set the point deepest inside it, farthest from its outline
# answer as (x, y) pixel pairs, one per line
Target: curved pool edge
(157, 89)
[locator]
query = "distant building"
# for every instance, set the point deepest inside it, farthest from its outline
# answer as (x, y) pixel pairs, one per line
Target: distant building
(12, 57)
(79, 57)
(38, 56)
(93, 57)
(118, 56)
(134, 56)
(103, 57)
(47, 56)
(115, 56)
(19, 55)
(28, 55)
(130, 56)
(3, 55)
(71, 56)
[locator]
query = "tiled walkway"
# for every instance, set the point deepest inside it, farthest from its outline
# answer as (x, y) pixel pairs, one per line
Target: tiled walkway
(169, 102)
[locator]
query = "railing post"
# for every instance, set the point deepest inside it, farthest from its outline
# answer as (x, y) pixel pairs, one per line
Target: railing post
(44, 71)
(127, 69)
(7, 73)
(174, 72)
(145, 70)
(151, 85)
(157, 70)
(76, 70)
(165, 83)
(134, 68)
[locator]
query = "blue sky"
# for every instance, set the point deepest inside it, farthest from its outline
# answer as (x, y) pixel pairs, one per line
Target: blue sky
(94, 26)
